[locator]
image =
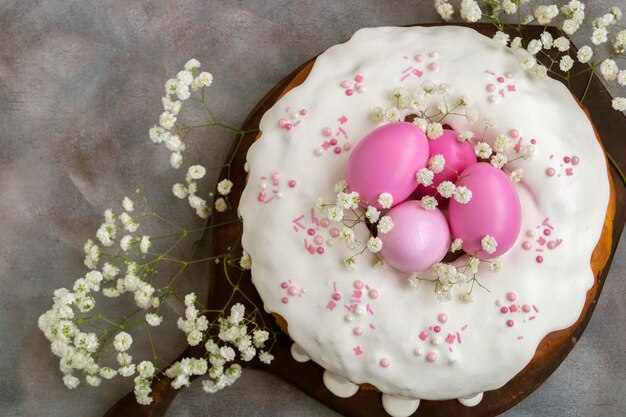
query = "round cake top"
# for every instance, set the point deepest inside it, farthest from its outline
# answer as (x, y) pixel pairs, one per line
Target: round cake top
(380, 325)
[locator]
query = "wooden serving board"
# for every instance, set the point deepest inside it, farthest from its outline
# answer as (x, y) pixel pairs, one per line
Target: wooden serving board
(308, 376)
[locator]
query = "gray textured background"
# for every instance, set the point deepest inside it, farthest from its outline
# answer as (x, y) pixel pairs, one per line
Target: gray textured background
(80, 84)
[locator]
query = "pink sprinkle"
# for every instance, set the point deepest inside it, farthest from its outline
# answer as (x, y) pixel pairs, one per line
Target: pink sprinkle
(504, 310)
(437, 329)
(347, 146)
(282, 122)
(318, 240)
(303, 112)
(327, 131)
(337, 150)
(359, 78)
(458, 337)
(349, 92)
(261, 196)
(508, 75)
(535, 308)
(490, 88)
(575, 160)
(369, 310)
(325, 145)
(550, 172)
(541, 241)
(358, 351)
(525, 308)
(520, 337)
(320, 250)
(450, 338)
(490, 72)
(538, 250)
(526, 245)
(511, 87)
(433, 66)
(569, 171)
(345, 84)
(297, 123)
(405, 76)
(511, 296)
(567, 159)
(531, 318)
(546, 232)
(546, 223)
(417, 72)
(284, 285)
(291, 183)
(292, 290)
(423, 335)
(407, 69)
(372, 326)
(333, 142)
(334, 232)
(331, 305)
(551, 244)
(500, 79)
(501, 92)
(336, 296)
(343, 119)
(442, 318)
(276, 176)
(357, 293)
(285, 300)
(357, 331)
(513, 308)
(343, 132)
(385, 362)
(358, 284)
(510, 323)
(464, 327)
(314, 218)
(311, 232)
(309, 247)
(324, 222)
(288, 126)
(539, 259)
(419, 58)
(450, 348)
(373, 294)
(431, 357)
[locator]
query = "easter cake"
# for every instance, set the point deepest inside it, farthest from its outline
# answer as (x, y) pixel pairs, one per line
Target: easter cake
(420, 218)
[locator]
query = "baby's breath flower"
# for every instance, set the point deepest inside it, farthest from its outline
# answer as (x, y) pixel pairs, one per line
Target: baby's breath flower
(122, 341)
(501, 38)
(424, 176)
(501, 143)
(374, 244)
(385, 224)
(377, 115)
(71, 381)
(444, 9)
(350, 263)
(224, 187)
(176, 160)
(192, 65)
(334, 213)
(534, 46)
(167, 120)
(570, 26)
(498, 160)
(347, 235)
(145, 244)
(462, 194)
(619, 103)
(434, 130)
(528, 151)
(465, 136)
(266, 357)
(456, 245)
(599, 36)
(153, 319)
(196, 172)
(471, 115)
(562, 44)
(179, 191)
(609, 69)
(470, 11)
(516, 43)
(516, 175)
(372, 214)
(488, 244)
(539, 71)
(584, 54)
(221, 205)
(545, 14)
(621, 77)
(393, 114)
(436, 163)
(429, 202)
(546, 40)
(446, 189)
(496, 265)
(385, 200)
(466, 297)
(246, 261)
(566, 63)
(482, 150)
(527, 61)
(341, 186)
(509, 7)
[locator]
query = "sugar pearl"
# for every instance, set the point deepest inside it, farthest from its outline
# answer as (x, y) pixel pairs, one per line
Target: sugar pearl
(511, 296)
(433, 66)
(419, 58)
(291, 183)
(319, 151)
(431, 357)
(550, 172)
(492, 99)
(435, 341)
(527, 245)
(358, 284)
(525, 308)
(575, 160)
(385, 362)
(336, 296)
(284, 300)
(327, 131)
(292, 290)
(490, 88)
(442, 318)
(530, 233)
(318, 240)
(514, 133)
(373, 294)
(348, 318)
(510, 323)
(345, 84)
(417, 352)
(357, 331)
(324, 222)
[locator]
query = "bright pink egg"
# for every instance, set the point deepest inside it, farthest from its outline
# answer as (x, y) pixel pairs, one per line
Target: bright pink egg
(386, 160)
(494, 210)
(419, 239)
(458, 156)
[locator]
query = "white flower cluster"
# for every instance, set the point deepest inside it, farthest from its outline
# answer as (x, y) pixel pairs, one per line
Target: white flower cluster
(428, 102)
(445, 189)
(234, 333)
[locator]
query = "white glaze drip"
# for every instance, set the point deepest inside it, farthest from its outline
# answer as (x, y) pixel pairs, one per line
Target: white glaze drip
(298, 354)
(472, 400)
(339, 385)
(397, 406)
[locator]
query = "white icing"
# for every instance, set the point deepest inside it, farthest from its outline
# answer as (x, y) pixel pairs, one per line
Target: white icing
(339, 385)
(399, 406)
(491, 352)
(298, 354)
(472, 400)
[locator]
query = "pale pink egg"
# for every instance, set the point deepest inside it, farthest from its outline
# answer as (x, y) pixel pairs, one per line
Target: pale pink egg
(386, 160)
(458, 156)
(419, 239)
(493, 210)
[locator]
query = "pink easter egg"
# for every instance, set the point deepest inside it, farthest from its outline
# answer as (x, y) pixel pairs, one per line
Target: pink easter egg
(493, 210)
(419, 239)
(386, 160)
(458, 156)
